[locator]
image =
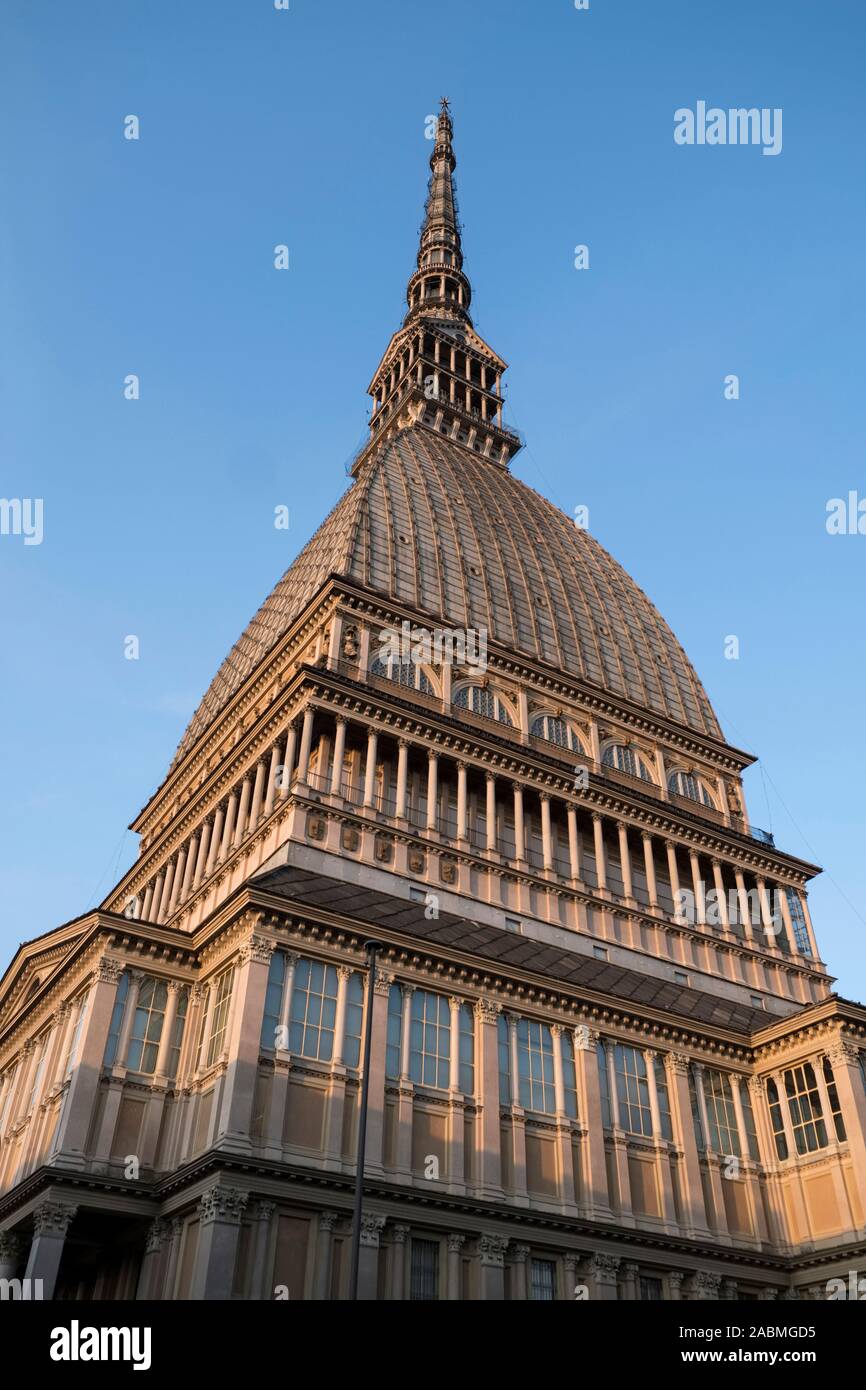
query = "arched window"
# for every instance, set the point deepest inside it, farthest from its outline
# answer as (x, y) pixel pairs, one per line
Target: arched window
(407, 673)
(688, 785)
(480, 699)
(556, 730)
(625, 758)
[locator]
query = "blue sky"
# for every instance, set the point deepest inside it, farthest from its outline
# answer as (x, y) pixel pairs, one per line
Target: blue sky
(306, 127)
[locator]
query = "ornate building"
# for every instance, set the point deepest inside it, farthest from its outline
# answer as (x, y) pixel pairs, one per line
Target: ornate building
(606, 1054)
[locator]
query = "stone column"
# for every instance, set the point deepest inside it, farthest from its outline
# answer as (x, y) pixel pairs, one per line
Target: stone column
(625, 862)
(220, 1214)
(370, 770)
(462, 828)
(698, 889)
(136, 979)
(51, 1222)
(174, 988)
(674, 876)
(271, 782)
(663, 1169)
(546, 834)
(490, 812)
(10, 1254)
(376, 1062)
(258, 795)
(180, 867)
(243, 812)
(488, 1125)
(201, 857)
(191, 857)
(339, 757)
(216, 836)
(166, 894)
(594, 1196)
(691, 1187)
(228, 826)
(767, 922)
(744, 905)
(306, 746)
(402, 777)
(491, 1259)
(599, 1273)
(288, 763)
(519, 1282)
(158, 1236)
(432, 791)
(722, 904)
(75, 1120)
(397, 1283)
(650, 867)
(454, 1281)
(372, 1226)
(243, 1040)
(519, 831)
(600, 862)
(573, 845)
(324, 1248)
(148, 900)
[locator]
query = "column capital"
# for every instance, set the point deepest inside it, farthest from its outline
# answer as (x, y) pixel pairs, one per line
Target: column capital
(328, 1220)
(158, 1233)
(678, 1063)
(53, 1218)
(489, 776)
(520, 1253)
(344, 972)
(11, 1246)
(383, 982)
(456, 1242)
(487, 1010)
(491, 1250)
(340, 719)
(258, 949)
(399, 1232)
(226, 1204)
(174, 986)
(455, 1002)
(596, 816)
(108, 971)
(372, 1226)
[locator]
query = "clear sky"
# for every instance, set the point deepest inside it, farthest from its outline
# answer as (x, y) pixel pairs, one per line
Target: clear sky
(306, 127)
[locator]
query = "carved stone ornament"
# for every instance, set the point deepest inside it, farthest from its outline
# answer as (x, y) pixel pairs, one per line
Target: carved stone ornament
(108, 971)
(448, 871)
(350, 838)
(417, 861)
(487, 1011)
(351, 643)
(491, 1250)
(53, 1218)
(222, 1204)
(257, 949)
(315, 827)
(384, 849)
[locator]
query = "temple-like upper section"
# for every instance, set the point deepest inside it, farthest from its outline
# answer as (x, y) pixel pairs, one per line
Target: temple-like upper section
(437, 371)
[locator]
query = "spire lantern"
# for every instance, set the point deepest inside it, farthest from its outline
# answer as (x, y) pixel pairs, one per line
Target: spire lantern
(437, 371)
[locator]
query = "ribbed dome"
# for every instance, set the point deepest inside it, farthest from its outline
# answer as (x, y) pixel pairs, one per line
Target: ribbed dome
(434, 527)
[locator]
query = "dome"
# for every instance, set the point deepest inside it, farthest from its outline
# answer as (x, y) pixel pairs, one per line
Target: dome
(432, 526)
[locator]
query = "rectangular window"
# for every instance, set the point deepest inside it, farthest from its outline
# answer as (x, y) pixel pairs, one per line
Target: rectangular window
(650, 1289)
(424, 1279)
(467, 1050)
(177, 1034)
(80, 1006)
(833, 1097)
(569, 1074)
(354, 1026)
(314, 1010)
(274, 1002)
(542, 1285)
(220, 1015)
(147, 1027)
(749, 1119)
(116, 1021)
(664, 1102)
(600, 952)
(776, 1121)
(430, 1039)
(536, 1089)
(395, 1033)
(603, 1084)
(512, 923)
(798, 922)
(632, 1090)
(504, 1049)
(417, 895)
(804, 1108)
(721, 1115)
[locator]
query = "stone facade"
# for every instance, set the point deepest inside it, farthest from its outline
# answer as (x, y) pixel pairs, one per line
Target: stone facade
(606, 1060)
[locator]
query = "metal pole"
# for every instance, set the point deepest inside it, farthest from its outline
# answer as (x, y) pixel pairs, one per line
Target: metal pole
(371, 947)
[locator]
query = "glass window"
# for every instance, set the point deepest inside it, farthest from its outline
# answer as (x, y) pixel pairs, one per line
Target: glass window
(603, 1084)
(663, 1099)
(116, 1020)
(556, 730)
(424, 1281)
(273, 1000)
(798, 922)
(687, 785)
(314, 1010)
(542, 1282)
(721, 1115)
(804, 1108)
(220, 1015)
(467, 1050)
(569, 1074)
(833, 1097)
(354, 1020)
(408, 673)
(177, 1034)
(429, 1039)
(632, 1089)
(147, 1026)
(626, 759)
(536, 1089)
(395, 1030)
(650, 1289)
(482, 700)
(504, 1048)
(749, 1119)
(776, 1120)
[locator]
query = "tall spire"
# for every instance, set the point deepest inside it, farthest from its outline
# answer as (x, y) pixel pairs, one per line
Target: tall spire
(440, 247)
(438, 372)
